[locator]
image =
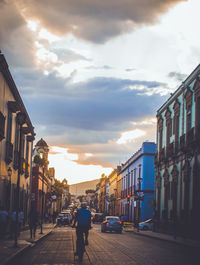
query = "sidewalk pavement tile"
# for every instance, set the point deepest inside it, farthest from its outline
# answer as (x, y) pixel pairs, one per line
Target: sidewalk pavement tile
(7, 249)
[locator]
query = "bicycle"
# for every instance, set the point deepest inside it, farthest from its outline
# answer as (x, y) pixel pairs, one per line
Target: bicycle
(80, 244)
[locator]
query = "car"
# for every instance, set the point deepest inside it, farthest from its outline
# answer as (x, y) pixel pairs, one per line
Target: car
(60, 219)
(111, 223)
(146, 225)
(64, 218)
(97, 218)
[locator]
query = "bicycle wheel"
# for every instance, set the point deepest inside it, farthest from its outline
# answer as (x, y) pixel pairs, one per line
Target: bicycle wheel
(80, 246)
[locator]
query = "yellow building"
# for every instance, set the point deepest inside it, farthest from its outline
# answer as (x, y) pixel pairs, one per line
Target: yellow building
(112, 192)
(16, 137)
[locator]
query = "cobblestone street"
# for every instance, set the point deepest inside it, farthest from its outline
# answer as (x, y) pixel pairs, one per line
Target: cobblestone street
(107, 248)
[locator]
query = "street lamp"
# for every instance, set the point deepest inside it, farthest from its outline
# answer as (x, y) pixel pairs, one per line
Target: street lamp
(140, 196)
(20, 119)
(9, 187)
(115, 199)
(42, 212)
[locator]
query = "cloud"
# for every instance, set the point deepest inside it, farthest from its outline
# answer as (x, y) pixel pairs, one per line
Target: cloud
(67, 56)
(90, 116)
(177, 76)
(130, 136)
(130, 69)
(91, 20)
(95, 105)
(104, 67)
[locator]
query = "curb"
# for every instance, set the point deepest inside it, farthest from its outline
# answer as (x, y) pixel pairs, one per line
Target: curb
(168, 240)
(23, 249)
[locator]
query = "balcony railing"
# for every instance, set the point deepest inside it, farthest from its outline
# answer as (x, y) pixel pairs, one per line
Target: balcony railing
(9, 152)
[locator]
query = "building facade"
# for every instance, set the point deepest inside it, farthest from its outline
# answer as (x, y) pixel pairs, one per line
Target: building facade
(138, 183)
(41, 188)
(178, 159)
(118, 195)
(16, 141)
(102, 196)
(112, 182)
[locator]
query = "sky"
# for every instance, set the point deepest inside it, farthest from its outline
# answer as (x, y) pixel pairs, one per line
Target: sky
(92, 74)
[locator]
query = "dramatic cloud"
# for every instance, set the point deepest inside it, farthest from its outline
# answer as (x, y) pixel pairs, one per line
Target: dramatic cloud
(94, 20)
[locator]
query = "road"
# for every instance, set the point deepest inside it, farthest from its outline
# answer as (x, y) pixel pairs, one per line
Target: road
(107, 249)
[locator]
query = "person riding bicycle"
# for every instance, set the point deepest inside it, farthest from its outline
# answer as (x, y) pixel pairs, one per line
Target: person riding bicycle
(83, 220)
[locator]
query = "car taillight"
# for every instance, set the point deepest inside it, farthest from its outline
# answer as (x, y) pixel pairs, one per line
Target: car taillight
(120, 223)
(107, 224)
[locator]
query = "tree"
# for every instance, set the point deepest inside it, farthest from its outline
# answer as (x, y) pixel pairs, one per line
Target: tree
(90, 191)
(58, 188)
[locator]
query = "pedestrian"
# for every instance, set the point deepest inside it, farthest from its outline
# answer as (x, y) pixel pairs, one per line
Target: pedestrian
(3, 222)
(54, 217)
(13, 224)
(33, 220)
(21, 220)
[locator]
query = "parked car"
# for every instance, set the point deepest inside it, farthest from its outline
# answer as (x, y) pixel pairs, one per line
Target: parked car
(64, 219)
(97, 218)
(146, 225)
(111, 223)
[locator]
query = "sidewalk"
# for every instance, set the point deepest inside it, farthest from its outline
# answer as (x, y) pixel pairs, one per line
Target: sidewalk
(7, 249)
(179, 240)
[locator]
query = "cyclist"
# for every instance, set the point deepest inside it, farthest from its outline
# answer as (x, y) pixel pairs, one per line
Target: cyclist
(83, 220)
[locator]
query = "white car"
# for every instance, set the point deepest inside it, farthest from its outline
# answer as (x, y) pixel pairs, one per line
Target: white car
(146, 225)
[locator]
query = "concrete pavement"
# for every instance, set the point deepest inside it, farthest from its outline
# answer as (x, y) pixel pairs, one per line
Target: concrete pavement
(160, 236)
(7, 249)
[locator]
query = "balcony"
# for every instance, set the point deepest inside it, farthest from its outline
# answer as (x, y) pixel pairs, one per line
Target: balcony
(9, 152)
(182, 142)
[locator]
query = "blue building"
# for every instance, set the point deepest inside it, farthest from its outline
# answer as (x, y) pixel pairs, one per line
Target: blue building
(138, 181)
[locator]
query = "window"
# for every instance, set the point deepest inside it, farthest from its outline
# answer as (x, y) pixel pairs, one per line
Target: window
(198, 111)
(9, 126)
(2, 126)
(176, 126)
(188, 119)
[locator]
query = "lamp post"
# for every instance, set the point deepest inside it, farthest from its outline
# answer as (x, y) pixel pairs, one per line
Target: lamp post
(20, 119)
(139, 198)
(115, 199)
(9, 188)
(42, 212)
